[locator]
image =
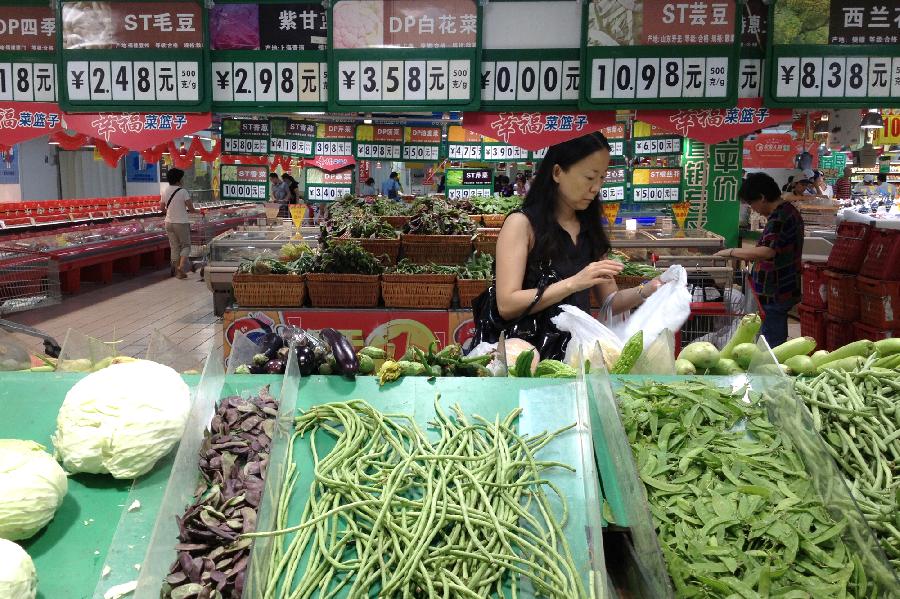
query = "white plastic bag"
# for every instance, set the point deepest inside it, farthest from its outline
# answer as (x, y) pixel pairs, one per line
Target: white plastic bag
(590, 339)
(659, 357)
(668, 308)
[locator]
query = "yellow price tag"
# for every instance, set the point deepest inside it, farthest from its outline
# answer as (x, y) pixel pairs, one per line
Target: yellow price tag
(298, 211)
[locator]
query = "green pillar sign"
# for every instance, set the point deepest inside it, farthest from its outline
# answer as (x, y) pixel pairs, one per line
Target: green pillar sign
(711, 180)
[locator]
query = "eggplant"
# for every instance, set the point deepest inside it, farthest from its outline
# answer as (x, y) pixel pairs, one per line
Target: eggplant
(275, 366)
(343, 352)
(270, 344)
(257, 369)
(306, 360)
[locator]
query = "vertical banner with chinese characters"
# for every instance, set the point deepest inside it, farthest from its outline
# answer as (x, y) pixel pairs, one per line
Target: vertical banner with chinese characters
(323, 186)
(378, 142)
(656, 185)
(711, 178)
(244, 182)
(292, 138)
(694, 182)
(402, 54)
(465, 183)
(659, 53)
(421, 144)
(268, 56)
(146, 56)
(27, 57)
(834, 54)
(245, 137)
(531, 56)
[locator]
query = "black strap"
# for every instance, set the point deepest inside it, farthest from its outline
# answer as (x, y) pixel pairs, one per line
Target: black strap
(541, 287)
(172, 197)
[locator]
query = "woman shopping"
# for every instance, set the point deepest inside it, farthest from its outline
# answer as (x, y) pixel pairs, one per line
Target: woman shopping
(557, 238)
(176, 204)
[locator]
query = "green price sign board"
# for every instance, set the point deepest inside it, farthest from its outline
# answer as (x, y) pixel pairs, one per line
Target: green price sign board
(268, 56)
(147, 56)
(334, 139)
(656, 185)
(27, 58)
(613, 189)
(661, 54)
(393, 55)
(244, 182)
(666, 145)
(840, 54)
(421, 144)
(463, 183)
(497, 151)
(292, 138)
(322, 186)
(378, 142)
(246, 137)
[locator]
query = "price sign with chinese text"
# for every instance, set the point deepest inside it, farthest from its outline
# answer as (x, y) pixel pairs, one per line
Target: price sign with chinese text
(846, 55)
(660, 53)
(421, 144)
(654, 185)
(334, 139)
(245, 137)
(657, 146)
(268, 56)
(464, 145)
(613, 189)
(244, 182)
(27, 59)
(401, 54)
(292, 138)
(379, 142)
(497, 151)
(323, 186)
(463, 183)
(150, 56)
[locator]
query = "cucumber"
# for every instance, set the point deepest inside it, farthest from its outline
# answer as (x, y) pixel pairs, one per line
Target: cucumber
(800, 364)
(857, 348)
(727, 367)
(820, 354)
(800, 346)
(888, 347)
(849, 363)
(630, 354)
(745, 332)
(684, 367)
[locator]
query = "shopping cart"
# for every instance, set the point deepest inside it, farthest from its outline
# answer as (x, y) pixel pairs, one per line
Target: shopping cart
(721, 294)
(28, 280)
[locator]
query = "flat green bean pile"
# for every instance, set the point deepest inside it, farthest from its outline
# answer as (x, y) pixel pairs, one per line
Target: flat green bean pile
(392, 514)
(858, 416)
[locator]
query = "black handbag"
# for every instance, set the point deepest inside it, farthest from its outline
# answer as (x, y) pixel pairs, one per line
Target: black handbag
(537, 329)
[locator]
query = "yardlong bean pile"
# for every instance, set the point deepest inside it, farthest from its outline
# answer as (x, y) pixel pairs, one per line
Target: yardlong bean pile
(392, 514)
(858, 416)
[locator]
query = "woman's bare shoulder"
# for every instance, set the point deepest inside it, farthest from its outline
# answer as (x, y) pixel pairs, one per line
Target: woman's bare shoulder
(517, 222)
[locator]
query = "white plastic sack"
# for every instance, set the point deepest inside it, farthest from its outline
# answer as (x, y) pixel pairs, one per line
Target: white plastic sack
(668, 308)
(590, 339)
(659, 358)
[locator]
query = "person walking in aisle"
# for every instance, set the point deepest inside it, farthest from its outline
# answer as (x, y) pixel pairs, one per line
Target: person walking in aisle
(391, 188)
(520, 185)
(368, 188)
(176, 204)
(777, 256)
(843, 187)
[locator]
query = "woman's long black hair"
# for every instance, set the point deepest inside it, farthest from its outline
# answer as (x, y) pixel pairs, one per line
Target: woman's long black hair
(540, 203)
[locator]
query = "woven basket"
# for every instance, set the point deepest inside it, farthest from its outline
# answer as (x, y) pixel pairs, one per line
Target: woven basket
(418, 291)
(476, 218)
(327, 290)
(275, 291)
(486, 241)
(494, 221)
(469, 289)
(450, 250)
(386, 250)
(628, 281)
(398, 222)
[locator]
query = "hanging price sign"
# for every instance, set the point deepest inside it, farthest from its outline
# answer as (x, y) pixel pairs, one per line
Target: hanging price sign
(379, 142)
(27, 60)
(657, 146)
(421, 144)
(268, 56)
(615, 135)
(613, 189)
(754, 37)
(463, 183)
(851, 59)
(244, 182)
(292, 138)
(322, 186)
(399, 55)
(334, 139)
(496, 151)
(660, 53)
(148, 56)
(245, 137)
(464, 145)
(651, 185)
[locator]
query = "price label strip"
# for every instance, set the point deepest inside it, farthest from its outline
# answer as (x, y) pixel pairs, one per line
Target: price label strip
(326, 193)
(269, 81)
(497, 152)
(655, 193)
(462, 193)
(244, 182)
(404, 83)
(421, 144)
(27, 82)
(835, 80)
(518, 79)
(612, 193)
(379, 142)
(657, 146)
(292, 138)
(117, 81)
(465, 151)
(246, 137)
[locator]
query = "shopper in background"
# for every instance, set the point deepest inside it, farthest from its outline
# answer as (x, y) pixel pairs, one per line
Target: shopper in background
(789, 186)
(294, 191)
(885, 188)
(391, 188)
(368, 188)
(843, 187)
(820, 187)
(867, 187)
(176, 203)
(798, 192)
(277, 192)
(506, 189)
(777, 256)
(520, 185)
(442, 184)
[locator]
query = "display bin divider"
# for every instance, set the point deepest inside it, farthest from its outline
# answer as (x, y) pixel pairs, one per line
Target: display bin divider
(790, 415)
(78, 346)
(163, 350)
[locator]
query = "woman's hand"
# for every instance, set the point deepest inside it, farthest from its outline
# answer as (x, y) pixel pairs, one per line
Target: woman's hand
(729, 253)
(652, 286)
(595, 273)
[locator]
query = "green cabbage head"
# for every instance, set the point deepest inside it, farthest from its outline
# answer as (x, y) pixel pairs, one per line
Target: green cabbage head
(122, 419)
(18, 578)
(32, 487)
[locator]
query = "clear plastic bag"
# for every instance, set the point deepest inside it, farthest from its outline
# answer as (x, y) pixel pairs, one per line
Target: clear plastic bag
(590, 339)
(667, 309)
(659, 357)
(13, 355)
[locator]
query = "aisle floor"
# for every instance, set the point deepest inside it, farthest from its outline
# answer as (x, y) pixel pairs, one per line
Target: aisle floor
(129, 310)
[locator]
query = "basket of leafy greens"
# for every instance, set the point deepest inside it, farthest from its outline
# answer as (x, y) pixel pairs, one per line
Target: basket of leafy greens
(438, 233)
(371, 232)
(424, 286)
(265, 281)
(343, 275)
(474, 278)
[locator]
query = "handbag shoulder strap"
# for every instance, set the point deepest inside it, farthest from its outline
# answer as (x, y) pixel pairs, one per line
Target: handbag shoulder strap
(172, 197)
(542, 285)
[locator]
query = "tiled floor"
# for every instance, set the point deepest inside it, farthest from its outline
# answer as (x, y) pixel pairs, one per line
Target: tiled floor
(130, 310)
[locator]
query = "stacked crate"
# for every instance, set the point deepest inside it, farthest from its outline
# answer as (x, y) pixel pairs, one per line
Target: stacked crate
(878, 286)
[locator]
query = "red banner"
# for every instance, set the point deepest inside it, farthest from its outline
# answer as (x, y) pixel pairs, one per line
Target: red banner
(21, 121)
(330, 163)
(137, 131)
(536, 130)
(775, 150)
(714, 125)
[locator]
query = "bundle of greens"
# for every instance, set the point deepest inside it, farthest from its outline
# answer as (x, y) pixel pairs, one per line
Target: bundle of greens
(264, 265)
(496, 205)
(634, 269)
(359, 223)
(405, 267)
(341, 258)
(479, 266)
(434, 216)
(449, 361)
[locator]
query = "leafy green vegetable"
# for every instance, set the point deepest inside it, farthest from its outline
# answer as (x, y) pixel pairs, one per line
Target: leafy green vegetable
(434, 216)
(496, 205)
(341, 258)
(360, 223)
(634, 269)
(405, 267)
(479, 266)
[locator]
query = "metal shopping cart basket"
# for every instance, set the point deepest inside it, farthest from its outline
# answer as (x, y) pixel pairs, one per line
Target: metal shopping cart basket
(721, 294)
(28, 280)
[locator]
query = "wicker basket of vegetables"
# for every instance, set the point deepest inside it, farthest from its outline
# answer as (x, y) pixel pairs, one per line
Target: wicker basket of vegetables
(438, 233)
(485, 241)
(267, 282)
(369, 231)
(343, 275)
(494, 209)
(493, 221)
(474, 278)
(424, 286)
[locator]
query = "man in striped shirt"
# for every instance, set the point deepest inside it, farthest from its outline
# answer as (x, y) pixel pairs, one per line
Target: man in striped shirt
(843, 187)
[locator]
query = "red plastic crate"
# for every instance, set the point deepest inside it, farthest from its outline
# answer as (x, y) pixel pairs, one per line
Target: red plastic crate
(838, 333)
(815, 291)
(812, 324)
(850, 247)
(882, 259)
(874, 333)
(843, 297)
(879, 303)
